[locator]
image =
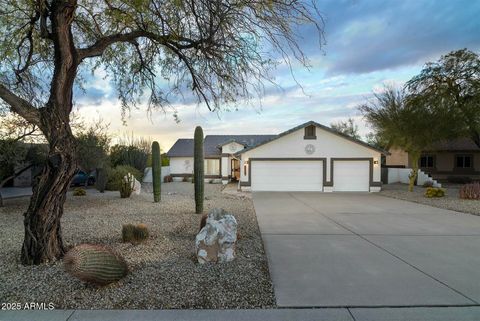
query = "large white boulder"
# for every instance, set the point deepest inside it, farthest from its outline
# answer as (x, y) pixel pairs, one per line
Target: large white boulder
(216, 241)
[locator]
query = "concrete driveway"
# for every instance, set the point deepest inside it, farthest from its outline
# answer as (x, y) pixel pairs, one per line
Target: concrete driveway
(366, 250)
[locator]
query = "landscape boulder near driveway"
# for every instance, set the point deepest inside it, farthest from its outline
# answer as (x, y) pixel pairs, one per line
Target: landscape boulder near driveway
(216, 241)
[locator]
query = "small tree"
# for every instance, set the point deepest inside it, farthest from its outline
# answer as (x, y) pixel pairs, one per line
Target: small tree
(92, 146)
(347, 127)
(450, 87)
(402, 124)
(218, 51)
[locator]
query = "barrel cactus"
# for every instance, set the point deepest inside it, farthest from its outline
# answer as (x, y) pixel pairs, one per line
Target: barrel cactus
(140, 233)
(95, 264)
(156, 172)
(198, 174)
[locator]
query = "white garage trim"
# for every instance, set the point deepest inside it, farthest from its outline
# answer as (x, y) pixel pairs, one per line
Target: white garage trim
(351, 174)
(287, 174)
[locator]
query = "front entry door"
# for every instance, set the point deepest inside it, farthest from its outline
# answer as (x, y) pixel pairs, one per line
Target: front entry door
(235, 165)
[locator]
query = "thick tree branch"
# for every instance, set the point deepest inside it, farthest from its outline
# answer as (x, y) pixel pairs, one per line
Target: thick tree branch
(20, 106)
(101, 44)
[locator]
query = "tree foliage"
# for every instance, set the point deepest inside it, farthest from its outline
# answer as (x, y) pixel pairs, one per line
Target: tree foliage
(347, 127)
(450, 87)
(221, 50)
(93, 144)
(401, 123)
(214, 51)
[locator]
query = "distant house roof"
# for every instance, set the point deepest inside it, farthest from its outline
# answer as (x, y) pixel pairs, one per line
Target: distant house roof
(328, 129)
(183, 147)
(213, 143)
(458, 144)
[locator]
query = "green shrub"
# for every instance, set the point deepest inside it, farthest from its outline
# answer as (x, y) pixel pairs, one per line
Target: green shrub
(135, 233)
(434, 192)
(115, 176)
(79, 192)
(470, 191)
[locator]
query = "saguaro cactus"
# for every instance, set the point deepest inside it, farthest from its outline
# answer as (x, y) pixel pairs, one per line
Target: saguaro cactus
(156, 172)
(198, 174)
(95, 264)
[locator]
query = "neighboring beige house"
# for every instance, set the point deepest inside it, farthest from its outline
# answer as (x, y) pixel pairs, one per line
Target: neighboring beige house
(309, 157)
(445, 160)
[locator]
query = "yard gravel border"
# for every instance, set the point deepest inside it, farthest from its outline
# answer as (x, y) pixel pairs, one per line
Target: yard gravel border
(164, 272)
(450, 201)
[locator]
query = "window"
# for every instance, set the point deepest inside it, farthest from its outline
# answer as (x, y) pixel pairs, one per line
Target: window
(212, 166)
(426, 161)
(310, 132)
(463, 161)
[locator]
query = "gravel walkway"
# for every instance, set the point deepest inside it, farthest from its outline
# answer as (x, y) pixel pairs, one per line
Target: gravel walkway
(164, 272)
(451, 201)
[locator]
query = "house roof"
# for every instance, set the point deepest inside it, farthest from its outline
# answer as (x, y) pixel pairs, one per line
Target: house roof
(328, 129)
(183, 147)
(457, 144)
(212, 144)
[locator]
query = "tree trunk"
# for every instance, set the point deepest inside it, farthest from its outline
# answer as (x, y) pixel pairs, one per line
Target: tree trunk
(415, 157)
(43, 235)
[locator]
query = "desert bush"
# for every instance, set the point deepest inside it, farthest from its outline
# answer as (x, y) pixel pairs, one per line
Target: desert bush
(95, 264)
(168, 179)
(459, 179)
(115, 176)
(79, 192)
(434, 192)
(470, 191)
(135, 233)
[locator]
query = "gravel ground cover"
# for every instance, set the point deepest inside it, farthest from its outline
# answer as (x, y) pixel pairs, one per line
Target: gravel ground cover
(164, 271)
(451, 201)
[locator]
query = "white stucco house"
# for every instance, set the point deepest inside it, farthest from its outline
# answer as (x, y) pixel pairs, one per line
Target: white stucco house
(308, 157)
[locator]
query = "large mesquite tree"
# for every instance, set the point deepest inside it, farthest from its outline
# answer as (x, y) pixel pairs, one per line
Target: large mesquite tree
(450, 87)
(220, 50)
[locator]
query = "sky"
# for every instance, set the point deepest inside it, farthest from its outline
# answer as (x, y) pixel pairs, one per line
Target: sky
(369, 44)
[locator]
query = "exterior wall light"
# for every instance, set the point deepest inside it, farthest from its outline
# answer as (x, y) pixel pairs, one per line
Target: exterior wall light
(375, 162)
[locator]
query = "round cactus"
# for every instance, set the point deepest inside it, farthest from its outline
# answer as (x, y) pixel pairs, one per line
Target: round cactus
(198, 170)
(95, 264)
(156, 171)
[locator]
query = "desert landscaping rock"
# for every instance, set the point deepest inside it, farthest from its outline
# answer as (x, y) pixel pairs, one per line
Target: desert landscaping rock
(164, 271)
(217, 240)
(450, 201)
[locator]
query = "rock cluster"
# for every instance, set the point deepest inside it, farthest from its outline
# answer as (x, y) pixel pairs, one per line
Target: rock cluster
(216, 241)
